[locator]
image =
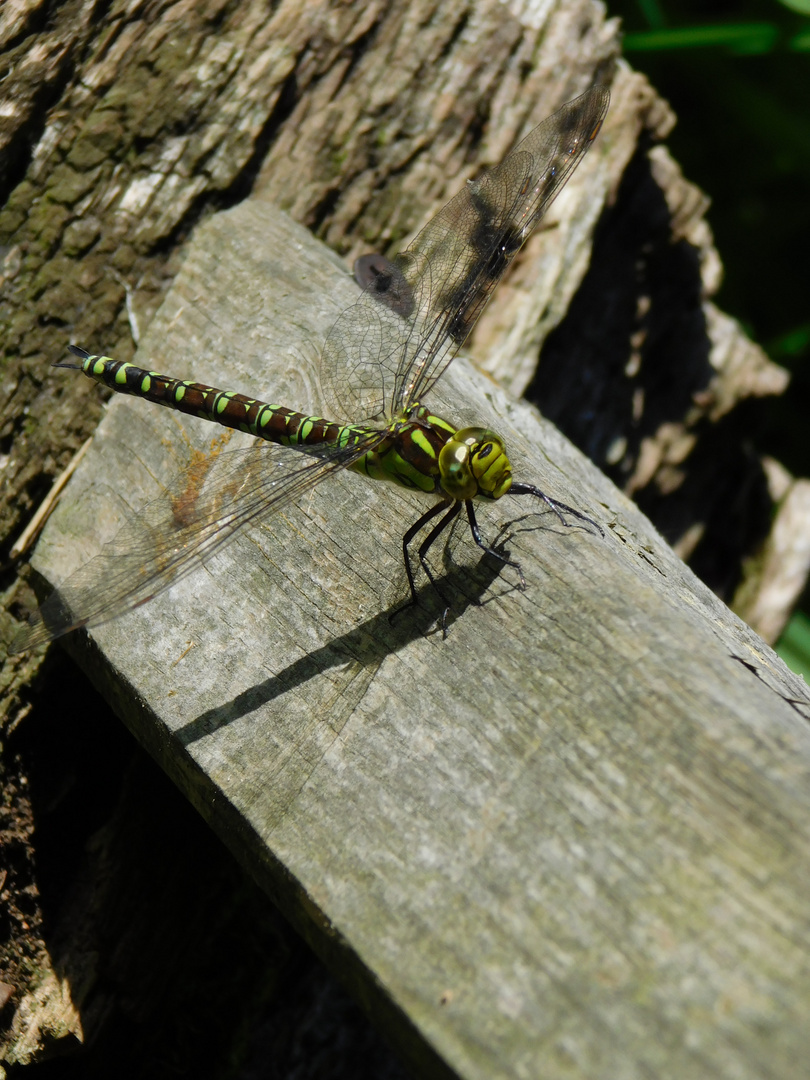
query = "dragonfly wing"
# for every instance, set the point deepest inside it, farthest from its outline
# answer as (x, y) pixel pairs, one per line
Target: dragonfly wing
(417, 309)
(202, 511)
(362, 354)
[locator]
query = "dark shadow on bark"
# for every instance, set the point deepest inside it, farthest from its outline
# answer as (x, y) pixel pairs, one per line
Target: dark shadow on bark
(630, 361)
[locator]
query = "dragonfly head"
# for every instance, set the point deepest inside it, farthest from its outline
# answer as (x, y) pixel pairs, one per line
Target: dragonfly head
(474, 462)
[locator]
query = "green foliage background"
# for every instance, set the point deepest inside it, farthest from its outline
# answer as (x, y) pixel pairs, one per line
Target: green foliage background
(737, 73)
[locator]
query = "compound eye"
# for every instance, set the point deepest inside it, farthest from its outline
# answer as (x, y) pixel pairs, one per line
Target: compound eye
(454, 469)
(491, 467)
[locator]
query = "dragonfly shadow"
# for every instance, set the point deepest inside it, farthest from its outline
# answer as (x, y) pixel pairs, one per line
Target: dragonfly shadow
(362, 649)
(547, 523)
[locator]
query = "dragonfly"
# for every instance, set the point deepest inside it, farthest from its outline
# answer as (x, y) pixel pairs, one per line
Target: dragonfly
(380, 360)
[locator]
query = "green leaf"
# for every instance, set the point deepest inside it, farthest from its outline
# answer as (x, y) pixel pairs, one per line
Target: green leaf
(794, 644)
(755, 37)
(802, 6)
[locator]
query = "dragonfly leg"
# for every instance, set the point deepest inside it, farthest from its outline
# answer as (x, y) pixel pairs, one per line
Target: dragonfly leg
(428, 542)
(476, 535)
(559, 508)
(452, 510)
(406, 541)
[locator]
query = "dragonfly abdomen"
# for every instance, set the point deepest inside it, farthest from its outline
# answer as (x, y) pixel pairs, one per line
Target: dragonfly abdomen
(272, 422)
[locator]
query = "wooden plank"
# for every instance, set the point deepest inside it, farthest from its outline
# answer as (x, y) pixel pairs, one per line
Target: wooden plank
(570, 840)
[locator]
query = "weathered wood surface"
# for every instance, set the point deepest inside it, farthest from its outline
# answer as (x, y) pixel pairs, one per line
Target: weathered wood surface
(570, 840)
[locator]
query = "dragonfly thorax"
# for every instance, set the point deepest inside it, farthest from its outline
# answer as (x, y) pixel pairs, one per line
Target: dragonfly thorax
(473, 462)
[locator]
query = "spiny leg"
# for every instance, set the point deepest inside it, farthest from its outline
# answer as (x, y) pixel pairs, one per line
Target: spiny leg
(526, 489)
(425, 546)
(452, 509)
(476, 535)
(559, 508)
(406, 540)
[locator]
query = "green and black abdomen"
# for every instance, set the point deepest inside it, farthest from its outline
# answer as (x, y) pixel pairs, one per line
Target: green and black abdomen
(226, 407)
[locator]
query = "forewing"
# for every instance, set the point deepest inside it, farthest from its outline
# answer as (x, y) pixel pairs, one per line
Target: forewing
(203, 510)
(387, 350)
(362, 354)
